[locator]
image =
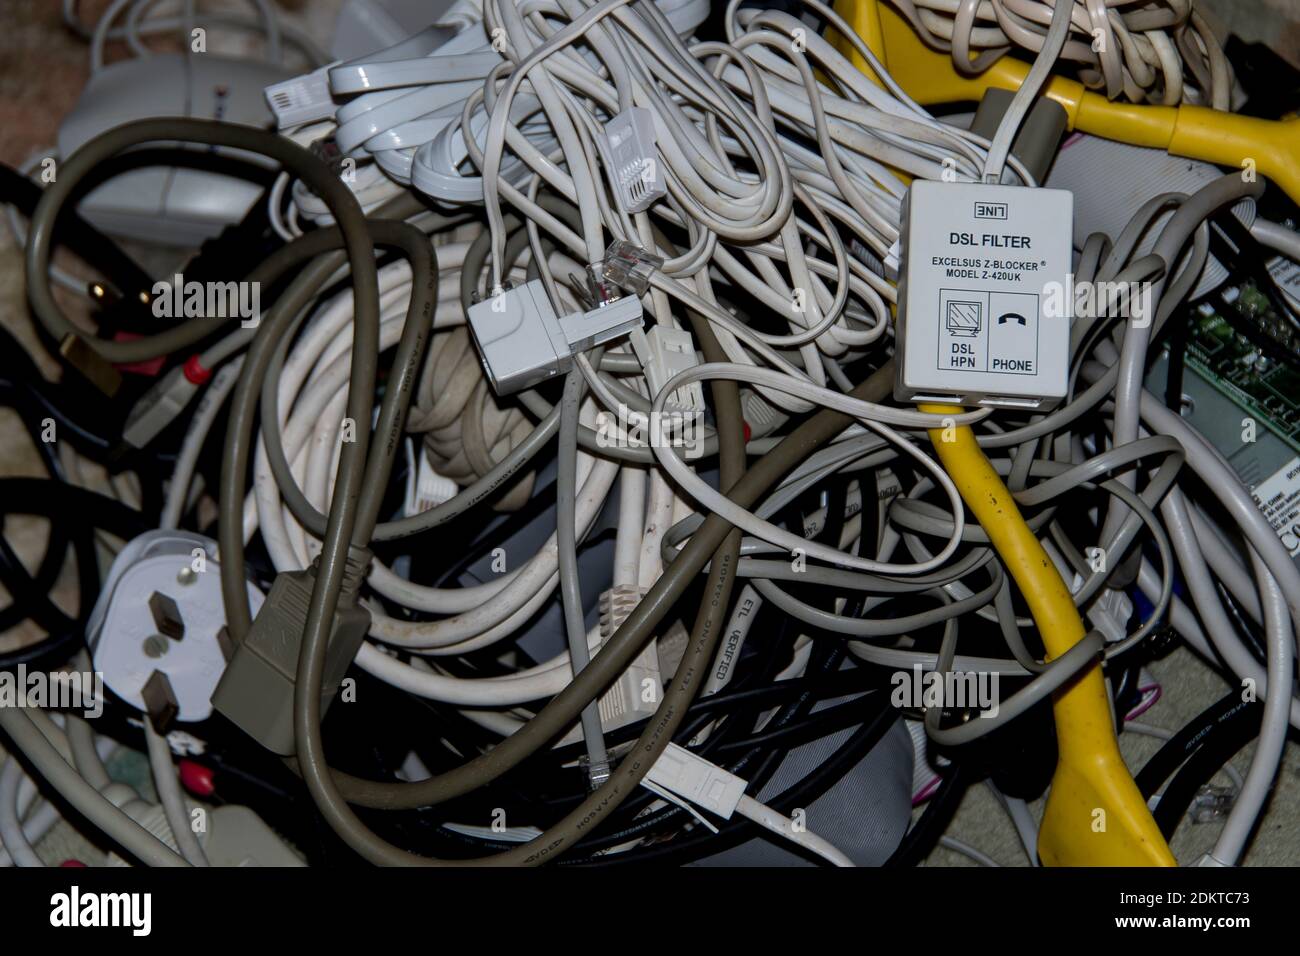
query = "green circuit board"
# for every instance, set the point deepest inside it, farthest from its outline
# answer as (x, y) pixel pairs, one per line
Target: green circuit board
(1265, 387)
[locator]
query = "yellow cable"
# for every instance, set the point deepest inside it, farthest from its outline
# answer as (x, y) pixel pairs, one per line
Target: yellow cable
(1095, 815)
(1267, 147)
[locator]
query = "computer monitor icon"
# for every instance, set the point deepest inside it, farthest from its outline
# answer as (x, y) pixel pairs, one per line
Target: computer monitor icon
(963, 318)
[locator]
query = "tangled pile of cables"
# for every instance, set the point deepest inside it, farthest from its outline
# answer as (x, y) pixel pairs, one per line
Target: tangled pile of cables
(1138, 51)
(545, 625)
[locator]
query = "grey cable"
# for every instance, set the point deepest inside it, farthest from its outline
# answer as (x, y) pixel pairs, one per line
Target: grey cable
(84, 798)
(1267, 758)
(1074, 661)
(392, 412)
(566, 490)
(313, 172)
(81, 743)
(12, 836)
(170, 796)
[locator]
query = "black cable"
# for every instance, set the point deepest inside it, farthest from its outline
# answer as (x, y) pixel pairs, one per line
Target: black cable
(85, 510)
(817, 725)
(736, 831)
(1220, 744)
(925, 832)
(1176, 750)
(1246, 629)
(94, 429)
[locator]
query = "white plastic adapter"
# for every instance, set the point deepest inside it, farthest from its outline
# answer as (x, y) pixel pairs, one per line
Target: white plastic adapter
(985, 300)
(124, 638)
(671, 352)
(521, 341)
(698, 781)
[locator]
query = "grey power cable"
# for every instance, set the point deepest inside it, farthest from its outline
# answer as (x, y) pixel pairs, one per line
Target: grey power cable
(239, 428)
(392, 413)
(257, 361)
(103, 147)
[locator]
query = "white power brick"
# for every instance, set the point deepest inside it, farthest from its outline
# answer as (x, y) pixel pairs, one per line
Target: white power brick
(161, 582)
(983, 309)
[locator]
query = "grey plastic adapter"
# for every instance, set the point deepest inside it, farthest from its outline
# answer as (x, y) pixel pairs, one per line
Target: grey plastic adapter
(256, 692)
(521, 341)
